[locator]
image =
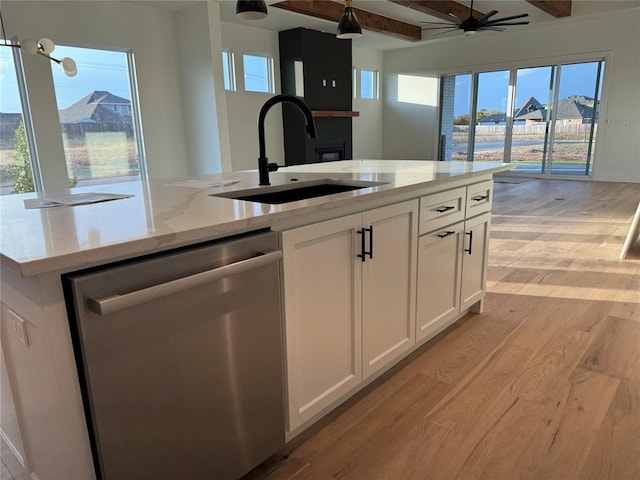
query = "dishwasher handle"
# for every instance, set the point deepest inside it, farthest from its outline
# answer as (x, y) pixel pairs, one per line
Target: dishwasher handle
(115, 303)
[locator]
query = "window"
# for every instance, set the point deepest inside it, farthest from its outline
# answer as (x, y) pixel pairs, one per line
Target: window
(369, 84)
(354, 81)
(298, 71)
(258, 73)
(228, 70)
(17, 170)
(98, 117)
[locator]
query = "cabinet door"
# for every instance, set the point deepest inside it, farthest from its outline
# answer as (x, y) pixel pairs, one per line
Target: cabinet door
(388, 307)
(322, 298)
(474, 260)
(439, 270)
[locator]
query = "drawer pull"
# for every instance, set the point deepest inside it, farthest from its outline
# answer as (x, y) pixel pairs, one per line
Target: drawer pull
(444, 209)
(480, 198)
(446, 234)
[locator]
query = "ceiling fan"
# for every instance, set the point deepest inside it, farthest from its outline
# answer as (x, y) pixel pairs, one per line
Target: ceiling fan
(471, 25)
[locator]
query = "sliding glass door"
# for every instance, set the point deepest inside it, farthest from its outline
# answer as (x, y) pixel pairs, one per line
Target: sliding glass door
(543, 118)
(455, 98)
(531, 120)
(576, 118)
(491, 105)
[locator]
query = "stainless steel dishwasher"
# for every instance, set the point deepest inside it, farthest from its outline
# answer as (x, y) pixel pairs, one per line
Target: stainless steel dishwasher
(180, 361)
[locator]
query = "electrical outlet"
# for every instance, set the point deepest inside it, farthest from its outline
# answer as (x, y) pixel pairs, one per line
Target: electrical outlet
(19, 326)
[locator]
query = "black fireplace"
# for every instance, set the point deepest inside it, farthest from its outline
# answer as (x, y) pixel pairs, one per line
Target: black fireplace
(325, 83)
(329, 152)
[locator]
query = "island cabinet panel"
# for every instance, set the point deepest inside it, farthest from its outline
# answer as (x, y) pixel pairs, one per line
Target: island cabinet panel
(322, 285)
(346, 317)
(452, 260)
(388, 307)
(439, 277)
(474, 261)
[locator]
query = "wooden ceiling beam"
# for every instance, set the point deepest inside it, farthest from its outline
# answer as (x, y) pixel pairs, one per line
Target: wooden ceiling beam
(332, 11)
(557, 8)
(440, 8)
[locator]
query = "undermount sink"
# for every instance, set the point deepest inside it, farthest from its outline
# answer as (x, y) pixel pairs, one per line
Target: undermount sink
(299, 191)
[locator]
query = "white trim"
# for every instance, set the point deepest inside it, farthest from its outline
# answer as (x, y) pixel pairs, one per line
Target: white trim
(13, 449)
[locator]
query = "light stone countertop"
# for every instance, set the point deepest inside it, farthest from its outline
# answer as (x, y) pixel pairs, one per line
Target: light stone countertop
(159, 216)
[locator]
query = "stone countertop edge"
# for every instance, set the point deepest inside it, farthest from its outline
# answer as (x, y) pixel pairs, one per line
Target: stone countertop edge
(162, 217)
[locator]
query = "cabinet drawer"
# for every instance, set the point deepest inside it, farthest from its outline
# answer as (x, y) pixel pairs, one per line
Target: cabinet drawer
(441, 209)
(479, 198)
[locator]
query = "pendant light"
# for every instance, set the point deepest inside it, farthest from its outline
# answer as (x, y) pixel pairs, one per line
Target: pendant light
(43, 47)
(349, 26)
(251, 9)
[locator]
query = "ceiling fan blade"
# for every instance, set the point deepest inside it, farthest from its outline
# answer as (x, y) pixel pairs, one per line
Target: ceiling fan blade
(503, 19)
(452, 27)
(458, 19)
(496, 29)
(446, 31)
(501, 24)
(487, 15)
(439, 23)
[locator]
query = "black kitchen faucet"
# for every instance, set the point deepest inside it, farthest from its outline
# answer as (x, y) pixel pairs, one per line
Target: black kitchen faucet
(263, 166)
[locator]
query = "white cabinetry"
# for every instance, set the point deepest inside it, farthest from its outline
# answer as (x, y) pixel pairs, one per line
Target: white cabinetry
(474, 260)
(349, 290)
(388, 298)
(452, 257)
(439, 271)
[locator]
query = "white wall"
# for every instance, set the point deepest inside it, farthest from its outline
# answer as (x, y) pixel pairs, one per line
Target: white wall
(243, 107)
(197, 75)
(149, 32)
(367, 128)
(411, 130)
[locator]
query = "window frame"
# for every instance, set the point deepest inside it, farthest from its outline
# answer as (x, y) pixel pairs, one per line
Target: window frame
(376, 83)
(271, 87)
(230, 77)
(27, 119)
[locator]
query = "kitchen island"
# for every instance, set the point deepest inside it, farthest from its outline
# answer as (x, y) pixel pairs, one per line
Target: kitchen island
(44, 426)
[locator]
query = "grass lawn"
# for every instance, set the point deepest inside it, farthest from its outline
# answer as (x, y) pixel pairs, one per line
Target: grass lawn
(100, 155)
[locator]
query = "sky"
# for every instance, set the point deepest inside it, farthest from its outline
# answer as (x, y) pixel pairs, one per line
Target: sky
(97, 70)
(575, 79)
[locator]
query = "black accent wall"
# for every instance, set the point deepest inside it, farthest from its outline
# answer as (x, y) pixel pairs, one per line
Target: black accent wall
(327, 86)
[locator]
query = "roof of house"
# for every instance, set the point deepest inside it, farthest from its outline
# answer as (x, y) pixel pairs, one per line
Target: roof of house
(92, 109)
(495, 118)
(529, 106)
(574, 106)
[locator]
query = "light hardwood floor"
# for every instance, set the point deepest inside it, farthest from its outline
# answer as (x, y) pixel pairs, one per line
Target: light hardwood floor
(545, 384)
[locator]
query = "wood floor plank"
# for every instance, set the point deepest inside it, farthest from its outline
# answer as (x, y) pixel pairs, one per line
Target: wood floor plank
(414, 400)
(614, 348)
(625, 404)
(543, 375)
(558, 448)
(458, 411)
(616, 453)
(457, 354)
(494, 456)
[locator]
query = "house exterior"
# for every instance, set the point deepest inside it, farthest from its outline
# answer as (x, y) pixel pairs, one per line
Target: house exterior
(495, 119)
(572, 110)
(98, 107)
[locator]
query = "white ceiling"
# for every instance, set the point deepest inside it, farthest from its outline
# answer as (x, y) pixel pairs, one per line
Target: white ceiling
(279, 19)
